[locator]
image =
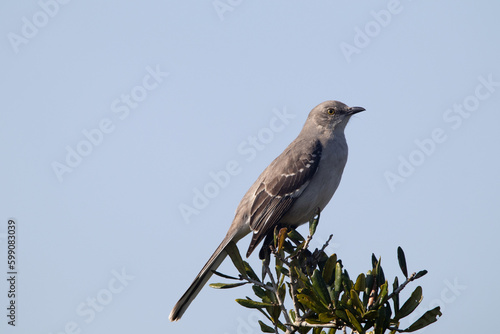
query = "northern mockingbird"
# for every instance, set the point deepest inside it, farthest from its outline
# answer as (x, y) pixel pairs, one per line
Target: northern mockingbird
(289, 191)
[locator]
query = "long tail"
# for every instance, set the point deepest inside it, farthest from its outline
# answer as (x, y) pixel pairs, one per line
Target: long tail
(212, 264)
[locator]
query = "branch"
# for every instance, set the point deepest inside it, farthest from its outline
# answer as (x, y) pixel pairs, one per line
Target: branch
(402, 286)
(293, 289)
(280, 302)
(321, 281)
(326, 243)
(258, 283)
(306, 324)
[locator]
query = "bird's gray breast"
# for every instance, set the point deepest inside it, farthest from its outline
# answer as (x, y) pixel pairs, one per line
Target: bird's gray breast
(323, 185)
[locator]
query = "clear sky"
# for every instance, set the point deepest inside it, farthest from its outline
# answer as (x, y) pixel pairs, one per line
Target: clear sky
(131, 130)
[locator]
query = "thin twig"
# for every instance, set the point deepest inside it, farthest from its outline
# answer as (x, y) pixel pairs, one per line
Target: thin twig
(278, 255)
(293, 289)
(306, 244)
(402, 286)
(306, 324)
(258, 283)
(280, 302)
(326, 243)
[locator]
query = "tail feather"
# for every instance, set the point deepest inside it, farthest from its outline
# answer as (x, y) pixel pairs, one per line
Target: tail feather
(201, 279)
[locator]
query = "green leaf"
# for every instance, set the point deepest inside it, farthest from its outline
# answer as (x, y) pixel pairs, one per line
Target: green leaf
(338, 278)
(295, 236)
(311, 303)
(382, 294)
(265, 328)
(395, 298)
(346, 281)
(249, 271)
(301, 275)
(282, 292)
(368, 287)
(356, 302)
(371, 315)
(248, 303)
(224, 275)
(275, 312)
(420, 274)
(329, 269)
(380, 321)
(388, 313)
(288, 247)
(380, 273)
(313, 223)
(281, 326)
(271, 297)
(428, 318)
(374, 261)
(321, 258)
(259, 292)
(411, 304)
(282, 270)
(265, 264)
(226, 286)
(275, 236)
(326, 317)
(298, 249)
(342, 315)
(360, 283)
(355, 323)
(402, 261)
(319, 287)
(235, 256)
(314, 321)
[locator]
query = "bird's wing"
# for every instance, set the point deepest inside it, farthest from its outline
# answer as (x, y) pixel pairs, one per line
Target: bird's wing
(281, 184)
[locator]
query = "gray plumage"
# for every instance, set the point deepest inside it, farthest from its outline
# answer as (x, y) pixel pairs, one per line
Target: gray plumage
(290, 190)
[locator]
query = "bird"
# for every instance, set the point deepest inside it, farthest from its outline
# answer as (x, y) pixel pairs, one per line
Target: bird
(290, 191)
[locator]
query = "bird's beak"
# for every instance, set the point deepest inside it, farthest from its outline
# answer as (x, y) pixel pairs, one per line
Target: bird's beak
(354, 110)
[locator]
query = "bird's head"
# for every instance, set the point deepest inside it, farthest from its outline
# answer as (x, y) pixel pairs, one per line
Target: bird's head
(331, 115)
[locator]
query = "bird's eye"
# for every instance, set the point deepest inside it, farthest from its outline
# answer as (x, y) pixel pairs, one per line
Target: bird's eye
(331, 111)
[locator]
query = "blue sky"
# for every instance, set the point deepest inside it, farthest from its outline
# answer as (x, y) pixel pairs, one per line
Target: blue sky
(117, 116)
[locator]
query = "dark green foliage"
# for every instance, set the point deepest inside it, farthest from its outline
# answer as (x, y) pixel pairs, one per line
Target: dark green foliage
(321, 295)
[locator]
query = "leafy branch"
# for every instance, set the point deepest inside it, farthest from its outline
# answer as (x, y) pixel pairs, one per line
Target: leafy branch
(324, 298)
